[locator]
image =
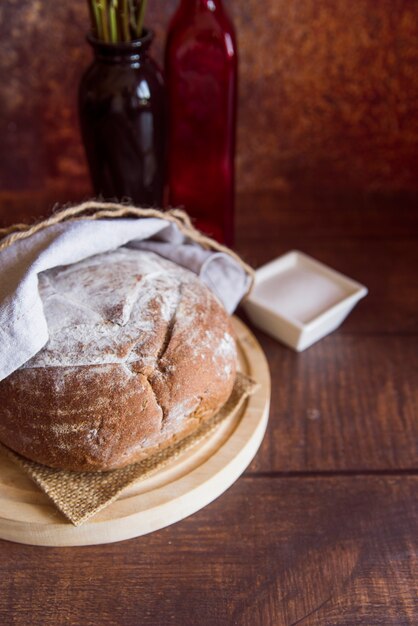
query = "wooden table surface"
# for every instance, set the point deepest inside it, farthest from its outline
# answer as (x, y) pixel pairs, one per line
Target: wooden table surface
(322, 528)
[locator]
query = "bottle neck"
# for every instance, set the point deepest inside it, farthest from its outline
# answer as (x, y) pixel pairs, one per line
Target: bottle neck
(124, 52)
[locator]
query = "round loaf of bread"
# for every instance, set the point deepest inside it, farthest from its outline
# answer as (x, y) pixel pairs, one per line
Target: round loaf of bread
(140, 352)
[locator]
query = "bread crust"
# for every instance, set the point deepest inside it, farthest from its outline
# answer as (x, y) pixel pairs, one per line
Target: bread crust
(140, 353)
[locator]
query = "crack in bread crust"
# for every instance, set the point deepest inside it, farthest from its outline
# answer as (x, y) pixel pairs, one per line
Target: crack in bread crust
(101, 395)
(170, 328)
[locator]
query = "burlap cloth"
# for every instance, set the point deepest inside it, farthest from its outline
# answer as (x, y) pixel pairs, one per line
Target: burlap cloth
(80, 495)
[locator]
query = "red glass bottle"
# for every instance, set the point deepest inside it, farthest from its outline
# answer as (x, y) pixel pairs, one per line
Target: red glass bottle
(201, 75)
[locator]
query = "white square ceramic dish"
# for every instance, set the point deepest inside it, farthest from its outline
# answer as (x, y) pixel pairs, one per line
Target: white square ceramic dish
(298, 300)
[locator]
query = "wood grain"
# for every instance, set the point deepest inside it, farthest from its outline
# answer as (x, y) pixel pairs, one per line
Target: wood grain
(270, 552)
(387, 268)
(192, 479)
(314, 215)
(322, 530)
(349, 403)
(376, 243)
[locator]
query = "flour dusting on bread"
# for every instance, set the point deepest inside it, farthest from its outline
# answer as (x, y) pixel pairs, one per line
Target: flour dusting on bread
(139, 352)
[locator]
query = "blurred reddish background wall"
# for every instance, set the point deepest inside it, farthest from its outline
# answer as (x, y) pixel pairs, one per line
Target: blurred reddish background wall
(328, 93)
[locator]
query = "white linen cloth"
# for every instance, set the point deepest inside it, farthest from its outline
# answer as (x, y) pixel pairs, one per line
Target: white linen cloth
(23, 327)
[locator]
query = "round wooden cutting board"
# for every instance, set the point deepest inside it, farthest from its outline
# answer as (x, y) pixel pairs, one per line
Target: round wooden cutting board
(189, 483)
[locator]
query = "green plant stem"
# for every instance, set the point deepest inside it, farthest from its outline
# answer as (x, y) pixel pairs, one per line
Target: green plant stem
(113, 22)
(124, 21)
(103, 11)
(93, 19)
(96, 18)
(141, 15)
(132, 15)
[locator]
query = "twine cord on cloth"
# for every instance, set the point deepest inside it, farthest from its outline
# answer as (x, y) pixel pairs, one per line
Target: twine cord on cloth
(93, 210)
(89, 229)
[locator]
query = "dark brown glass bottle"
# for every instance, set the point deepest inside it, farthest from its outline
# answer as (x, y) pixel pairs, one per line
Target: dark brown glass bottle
(123, 121)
